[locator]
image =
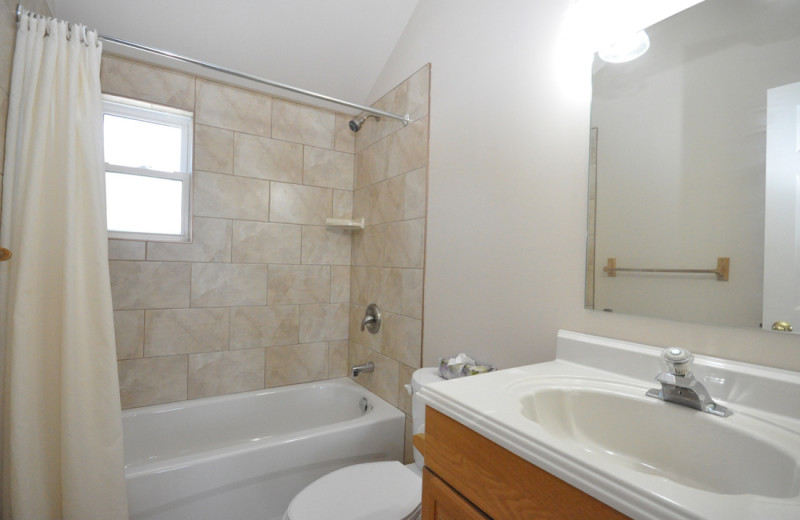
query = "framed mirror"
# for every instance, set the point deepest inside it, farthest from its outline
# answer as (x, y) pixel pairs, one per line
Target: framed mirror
(679, 170)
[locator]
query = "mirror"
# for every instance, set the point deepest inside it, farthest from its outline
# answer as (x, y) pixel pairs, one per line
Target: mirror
(679, 166)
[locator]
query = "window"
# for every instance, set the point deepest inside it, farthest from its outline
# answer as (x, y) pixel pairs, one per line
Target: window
(148, 155)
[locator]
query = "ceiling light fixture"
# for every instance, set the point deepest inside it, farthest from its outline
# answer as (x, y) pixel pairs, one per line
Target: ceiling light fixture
(626, 49)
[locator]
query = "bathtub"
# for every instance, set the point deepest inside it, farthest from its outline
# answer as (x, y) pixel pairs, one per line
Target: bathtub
(245, 456)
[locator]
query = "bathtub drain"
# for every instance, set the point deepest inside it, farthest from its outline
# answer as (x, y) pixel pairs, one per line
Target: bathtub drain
(364, 405)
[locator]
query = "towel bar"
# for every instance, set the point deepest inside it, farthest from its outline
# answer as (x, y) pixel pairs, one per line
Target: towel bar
(722, 270)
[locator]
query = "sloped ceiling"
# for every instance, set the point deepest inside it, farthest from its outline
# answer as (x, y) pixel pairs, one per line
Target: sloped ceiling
(334, 47)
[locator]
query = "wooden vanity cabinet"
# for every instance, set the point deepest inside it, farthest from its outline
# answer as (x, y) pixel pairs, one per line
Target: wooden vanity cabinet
(469, 477)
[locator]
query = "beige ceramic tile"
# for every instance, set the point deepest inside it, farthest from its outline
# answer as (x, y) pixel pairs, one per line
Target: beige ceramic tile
(387, 204)
(362, 202)
(185, 331)
(227, 285)
(365, 285)
(126, 250)
(211, 242)
(227, 196)
(391, 290)
(368, 246)
(402, 339)
(299, 284)
(264, 326)
(149, 285)
(266, 243)
(403, 397)
(364, 338)
(344, 140)
(147, 381)
(232, 108)
(265, 158)
(371, 164)
(133, 79)
(296, 364)
(340, 283)
(412, 292)
(408, 148)
(326, 246)
(213, 149)
(343, 204)
(129, 332)
(405, 242)
(384, 380)
(324, 322)
(418, 93)
(337, 359)
(302, 124)
(328, 169)
(373, 130)
(294, 204)
(416, 193)
(396, 102)
(220, 373)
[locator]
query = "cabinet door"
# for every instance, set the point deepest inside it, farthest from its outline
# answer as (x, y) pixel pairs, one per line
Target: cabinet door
(441, 502)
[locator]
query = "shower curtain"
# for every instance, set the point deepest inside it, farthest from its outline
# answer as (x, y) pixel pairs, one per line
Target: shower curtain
(62, 427)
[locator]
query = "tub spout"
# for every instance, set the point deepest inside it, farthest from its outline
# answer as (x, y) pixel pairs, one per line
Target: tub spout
(365, 368)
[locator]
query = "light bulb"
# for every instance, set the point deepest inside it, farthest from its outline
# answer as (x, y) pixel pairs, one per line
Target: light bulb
(626, 49)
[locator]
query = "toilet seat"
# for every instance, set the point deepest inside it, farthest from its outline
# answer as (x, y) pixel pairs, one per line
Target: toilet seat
(371, 491)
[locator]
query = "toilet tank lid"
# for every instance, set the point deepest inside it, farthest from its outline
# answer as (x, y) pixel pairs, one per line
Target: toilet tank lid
(360, 492)
(424, 376)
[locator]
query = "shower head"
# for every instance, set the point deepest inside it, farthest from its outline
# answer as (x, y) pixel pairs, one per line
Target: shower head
(355, 124)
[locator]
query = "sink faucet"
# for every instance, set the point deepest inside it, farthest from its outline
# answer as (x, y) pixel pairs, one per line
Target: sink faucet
(679, 386)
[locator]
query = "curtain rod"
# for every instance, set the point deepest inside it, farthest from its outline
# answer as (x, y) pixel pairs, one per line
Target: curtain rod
(404, 118)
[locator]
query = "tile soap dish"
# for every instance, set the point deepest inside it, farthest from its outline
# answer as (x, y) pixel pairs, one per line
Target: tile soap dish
(344, 223)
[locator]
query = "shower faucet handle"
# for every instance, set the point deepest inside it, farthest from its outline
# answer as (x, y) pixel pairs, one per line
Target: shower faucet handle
(372, 319)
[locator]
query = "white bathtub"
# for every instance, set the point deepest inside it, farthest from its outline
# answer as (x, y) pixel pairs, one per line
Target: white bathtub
(244, 456)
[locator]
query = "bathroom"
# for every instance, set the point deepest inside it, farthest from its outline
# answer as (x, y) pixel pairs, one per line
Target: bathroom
(504, 221)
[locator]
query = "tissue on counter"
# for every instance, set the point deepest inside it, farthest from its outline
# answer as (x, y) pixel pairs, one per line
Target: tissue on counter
(460, 366)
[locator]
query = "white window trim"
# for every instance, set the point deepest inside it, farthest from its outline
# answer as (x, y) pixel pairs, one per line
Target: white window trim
(174, 117)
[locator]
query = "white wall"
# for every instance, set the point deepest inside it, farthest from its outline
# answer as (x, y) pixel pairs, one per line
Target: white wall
(507, 191)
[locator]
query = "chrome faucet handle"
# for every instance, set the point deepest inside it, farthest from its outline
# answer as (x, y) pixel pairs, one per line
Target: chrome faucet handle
(372, 319)
(679, 386)
(678, 360)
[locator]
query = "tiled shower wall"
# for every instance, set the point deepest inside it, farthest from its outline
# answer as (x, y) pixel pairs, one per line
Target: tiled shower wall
(389, 255)
(260, 298)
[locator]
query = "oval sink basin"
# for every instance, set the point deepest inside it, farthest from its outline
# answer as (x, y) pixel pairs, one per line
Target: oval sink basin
(621, 425)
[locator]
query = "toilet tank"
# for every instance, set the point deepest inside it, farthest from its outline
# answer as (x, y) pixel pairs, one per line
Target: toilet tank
(420, 378)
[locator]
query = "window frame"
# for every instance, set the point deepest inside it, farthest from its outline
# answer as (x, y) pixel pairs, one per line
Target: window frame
(158, 114)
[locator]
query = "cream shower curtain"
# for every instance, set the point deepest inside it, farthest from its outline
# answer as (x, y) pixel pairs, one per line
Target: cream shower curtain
(62, 430)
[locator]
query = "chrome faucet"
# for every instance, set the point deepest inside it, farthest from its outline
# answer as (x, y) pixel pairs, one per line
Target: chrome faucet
(679, 386)
(366, 368)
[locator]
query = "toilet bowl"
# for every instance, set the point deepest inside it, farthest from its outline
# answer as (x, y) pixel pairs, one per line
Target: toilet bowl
(374, 490)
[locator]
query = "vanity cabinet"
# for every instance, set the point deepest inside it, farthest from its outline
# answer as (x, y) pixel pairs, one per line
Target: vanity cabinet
(469, 477)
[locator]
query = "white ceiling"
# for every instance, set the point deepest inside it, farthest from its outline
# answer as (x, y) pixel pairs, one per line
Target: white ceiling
(336, 48)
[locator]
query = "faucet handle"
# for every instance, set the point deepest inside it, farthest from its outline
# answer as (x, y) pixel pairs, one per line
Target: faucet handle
(678, 360)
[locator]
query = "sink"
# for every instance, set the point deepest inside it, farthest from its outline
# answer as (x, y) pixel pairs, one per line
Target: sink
(585, 419)
(618, 423)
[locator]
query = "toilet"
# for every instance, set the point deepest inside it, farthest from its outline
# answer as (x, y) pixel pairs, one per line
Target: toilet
(374, 490)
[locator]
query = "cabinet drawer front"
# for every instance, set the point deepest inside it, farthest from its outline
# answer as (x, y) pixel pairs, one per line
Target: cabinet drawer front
(441, 502)
(500, 483)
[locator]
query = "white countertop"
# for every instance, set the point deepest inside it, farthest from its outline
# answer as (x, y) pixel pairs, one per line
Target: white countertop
(765, 402)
